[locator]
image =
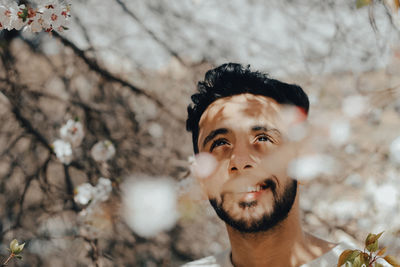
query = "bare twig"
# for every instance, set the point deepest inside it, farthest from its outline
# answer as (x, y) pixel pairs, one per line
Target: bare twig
(70, 188)
(150, 32)
(109, 76)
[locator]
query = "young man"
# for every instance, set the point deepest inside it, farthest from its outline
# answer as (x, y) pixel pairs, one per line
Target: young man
(237, 116)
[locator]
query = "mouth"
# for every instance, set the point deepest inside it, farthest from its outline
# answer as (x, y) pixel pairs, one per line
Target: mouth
(264, 185)
(251, 195)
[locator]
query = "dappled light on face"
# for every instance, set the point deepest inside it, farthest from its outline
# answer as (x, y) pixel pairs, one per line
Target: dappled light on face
(149, 205)
(259, 106)
(313, 152)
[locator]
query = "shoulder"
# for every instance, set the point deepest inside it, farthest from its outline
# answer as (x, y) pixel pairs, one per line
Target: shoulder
(220, 260)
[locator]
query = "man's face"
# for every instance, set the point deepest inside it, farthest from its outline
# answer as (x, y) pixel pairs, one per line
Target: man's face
(249, 188)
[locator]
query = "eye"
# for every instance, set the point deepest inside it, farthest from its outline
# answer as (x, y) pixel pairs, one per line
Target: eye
(262, 138)
(218, 142)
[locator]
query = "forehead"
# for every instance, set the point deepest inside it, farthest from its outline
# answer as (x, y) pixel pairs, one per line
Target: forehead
(241, 108)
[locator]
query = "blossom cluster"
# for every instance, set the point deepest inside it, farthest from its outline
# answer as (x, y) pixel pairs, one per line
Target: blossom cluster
(49, 17)
(86, 193)
(72, 135)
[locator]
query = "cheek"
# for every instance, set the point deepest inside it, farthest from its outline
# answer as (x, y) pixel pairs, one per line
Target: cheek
(265, 148)
(213, 184)
(221, 153)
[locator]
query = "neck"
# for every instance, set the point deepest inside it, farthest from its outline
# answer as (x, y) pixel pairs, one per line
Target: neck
(284, 245)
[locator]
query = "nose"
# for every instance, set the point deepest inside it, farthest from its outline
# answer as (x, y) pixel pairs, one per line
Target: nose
(241, 159)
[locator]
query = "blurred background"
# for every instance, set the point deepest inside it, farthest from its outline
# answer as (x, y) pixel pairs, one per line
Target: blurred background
(126, 70)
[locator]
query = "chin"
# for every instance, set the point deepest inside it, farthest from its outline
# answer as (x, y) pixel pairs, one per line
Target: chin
(259, 215)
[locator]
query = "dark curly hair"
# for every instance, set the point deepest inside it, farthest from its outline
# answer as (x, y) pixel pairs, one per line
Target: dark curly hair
(234, 79)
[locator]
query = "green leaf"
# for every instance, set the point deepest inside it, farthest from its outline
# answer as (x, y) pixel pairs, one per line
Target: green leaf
(392, 260)
(344, 257)
(373, 247)
(354, 255)
(19, 257)
(357, 261)
(19, 248)
(371, 238)
(362, 3)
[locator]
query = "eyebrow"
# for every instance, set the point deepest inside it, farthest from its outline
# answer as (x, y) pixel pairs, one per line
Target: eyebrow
(213, 134)
(259, 128)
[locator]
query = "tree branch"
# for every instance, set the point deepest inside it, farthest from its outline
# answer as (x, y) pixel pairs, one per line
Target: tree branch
(109, 76)
(150, 32)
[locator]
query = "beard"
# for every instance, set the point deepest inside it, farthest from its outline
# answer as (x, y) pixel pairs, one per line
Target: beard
(280, 210)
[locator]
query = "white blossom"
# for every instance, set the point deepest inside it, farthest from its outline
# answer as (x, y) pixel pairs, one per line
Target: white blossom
(9, 16)
(49, 16)
(5, 17)
(339, 132)
(54, 16)
(35, 25)
(150, 205)
(103, 151)
(385, 196)
(347, 209)
(355, 105)
(15, 21)
(155, 130)
(84, 193)
(103, 189)
(203, 165)
(310, 166)
(63, 151)
(350, 149)
(72, 132)
(395, 150)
